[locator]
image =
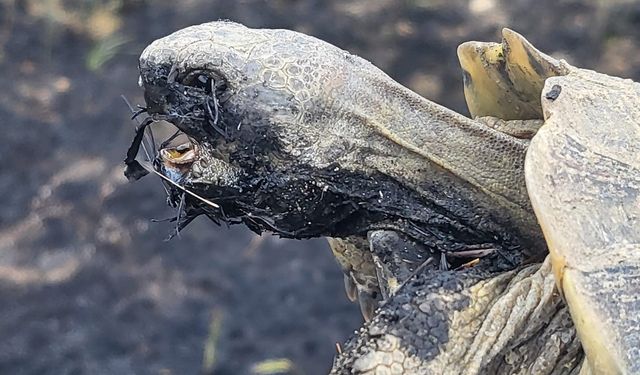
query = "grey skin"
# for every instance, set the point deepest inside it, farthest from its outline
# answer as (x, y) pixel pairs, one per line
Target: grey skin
(291, 135)
(313, 141)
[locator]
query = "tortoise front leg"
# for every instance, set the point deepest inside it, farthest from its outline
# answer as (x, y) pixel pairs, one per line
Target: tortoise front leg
(468, 322)
(361, 280)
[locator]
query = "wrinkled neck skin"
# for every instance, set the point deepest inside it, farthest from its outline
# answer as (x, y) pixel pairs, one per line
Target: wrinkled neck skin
(325, 144)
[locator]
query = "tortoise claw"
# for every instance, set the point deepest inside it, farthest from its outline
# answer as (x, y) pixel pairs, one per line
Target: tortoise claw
(350, 288)
(368, 304)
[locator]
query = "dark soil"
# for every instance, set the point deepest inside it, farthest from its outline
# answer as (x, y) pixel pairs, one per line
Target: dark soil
(87, 284)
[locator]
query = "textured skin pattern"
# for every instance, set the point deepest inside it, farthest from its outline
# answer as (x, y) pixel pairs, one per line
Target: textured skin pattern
(469, 323)
(354, 262)
(359, 271)
(525, 129)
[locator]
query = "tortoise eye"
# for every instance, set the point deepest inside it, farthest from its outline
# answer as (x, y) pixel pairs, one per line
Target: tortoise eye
(199, 80)
(203, 81)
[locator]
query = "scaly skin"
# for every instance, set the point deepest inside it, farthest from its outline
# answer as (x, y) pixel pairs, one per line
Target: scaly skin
(507, 323)
(313, 141)
(294, 136)
(321, 143)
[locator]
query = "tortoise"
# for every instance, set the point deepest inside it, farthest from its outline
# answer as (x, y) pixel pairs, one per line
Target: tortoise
(508, 242)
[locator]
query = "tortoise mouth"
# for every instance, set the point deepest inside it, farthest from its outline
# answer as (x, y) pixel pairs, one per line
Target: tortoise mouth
(181, 156)
(191, 105)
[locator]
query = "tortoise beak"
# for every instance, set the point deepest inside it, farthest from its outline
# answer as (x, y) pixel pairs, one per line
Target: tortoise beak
(583, 177)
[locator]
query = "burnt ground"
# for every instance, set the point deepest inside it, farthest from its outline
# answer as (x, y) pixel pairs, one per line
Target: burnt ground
(87, 284)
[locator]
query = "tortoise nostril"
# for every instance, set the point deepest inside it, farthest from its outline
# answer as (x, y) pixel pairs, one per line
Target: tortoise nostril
(155, 99)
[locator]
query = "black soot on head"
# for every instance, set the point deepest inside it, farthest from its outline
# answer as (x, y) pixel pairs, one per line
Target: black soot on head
(192, 101)
(243, 173)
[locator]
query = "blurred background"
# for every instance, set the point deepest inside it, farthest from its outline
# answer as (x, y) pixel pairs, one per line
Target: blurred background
(87, 283)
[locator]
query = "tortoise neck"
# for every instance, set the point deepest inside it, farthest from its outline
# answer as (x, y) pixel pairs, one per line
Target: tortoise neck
(486, 158)
(432, 149)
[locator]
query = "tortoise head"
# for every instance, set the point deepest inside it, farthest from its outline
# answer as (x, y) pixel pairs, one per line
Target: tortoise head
(264, 140)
